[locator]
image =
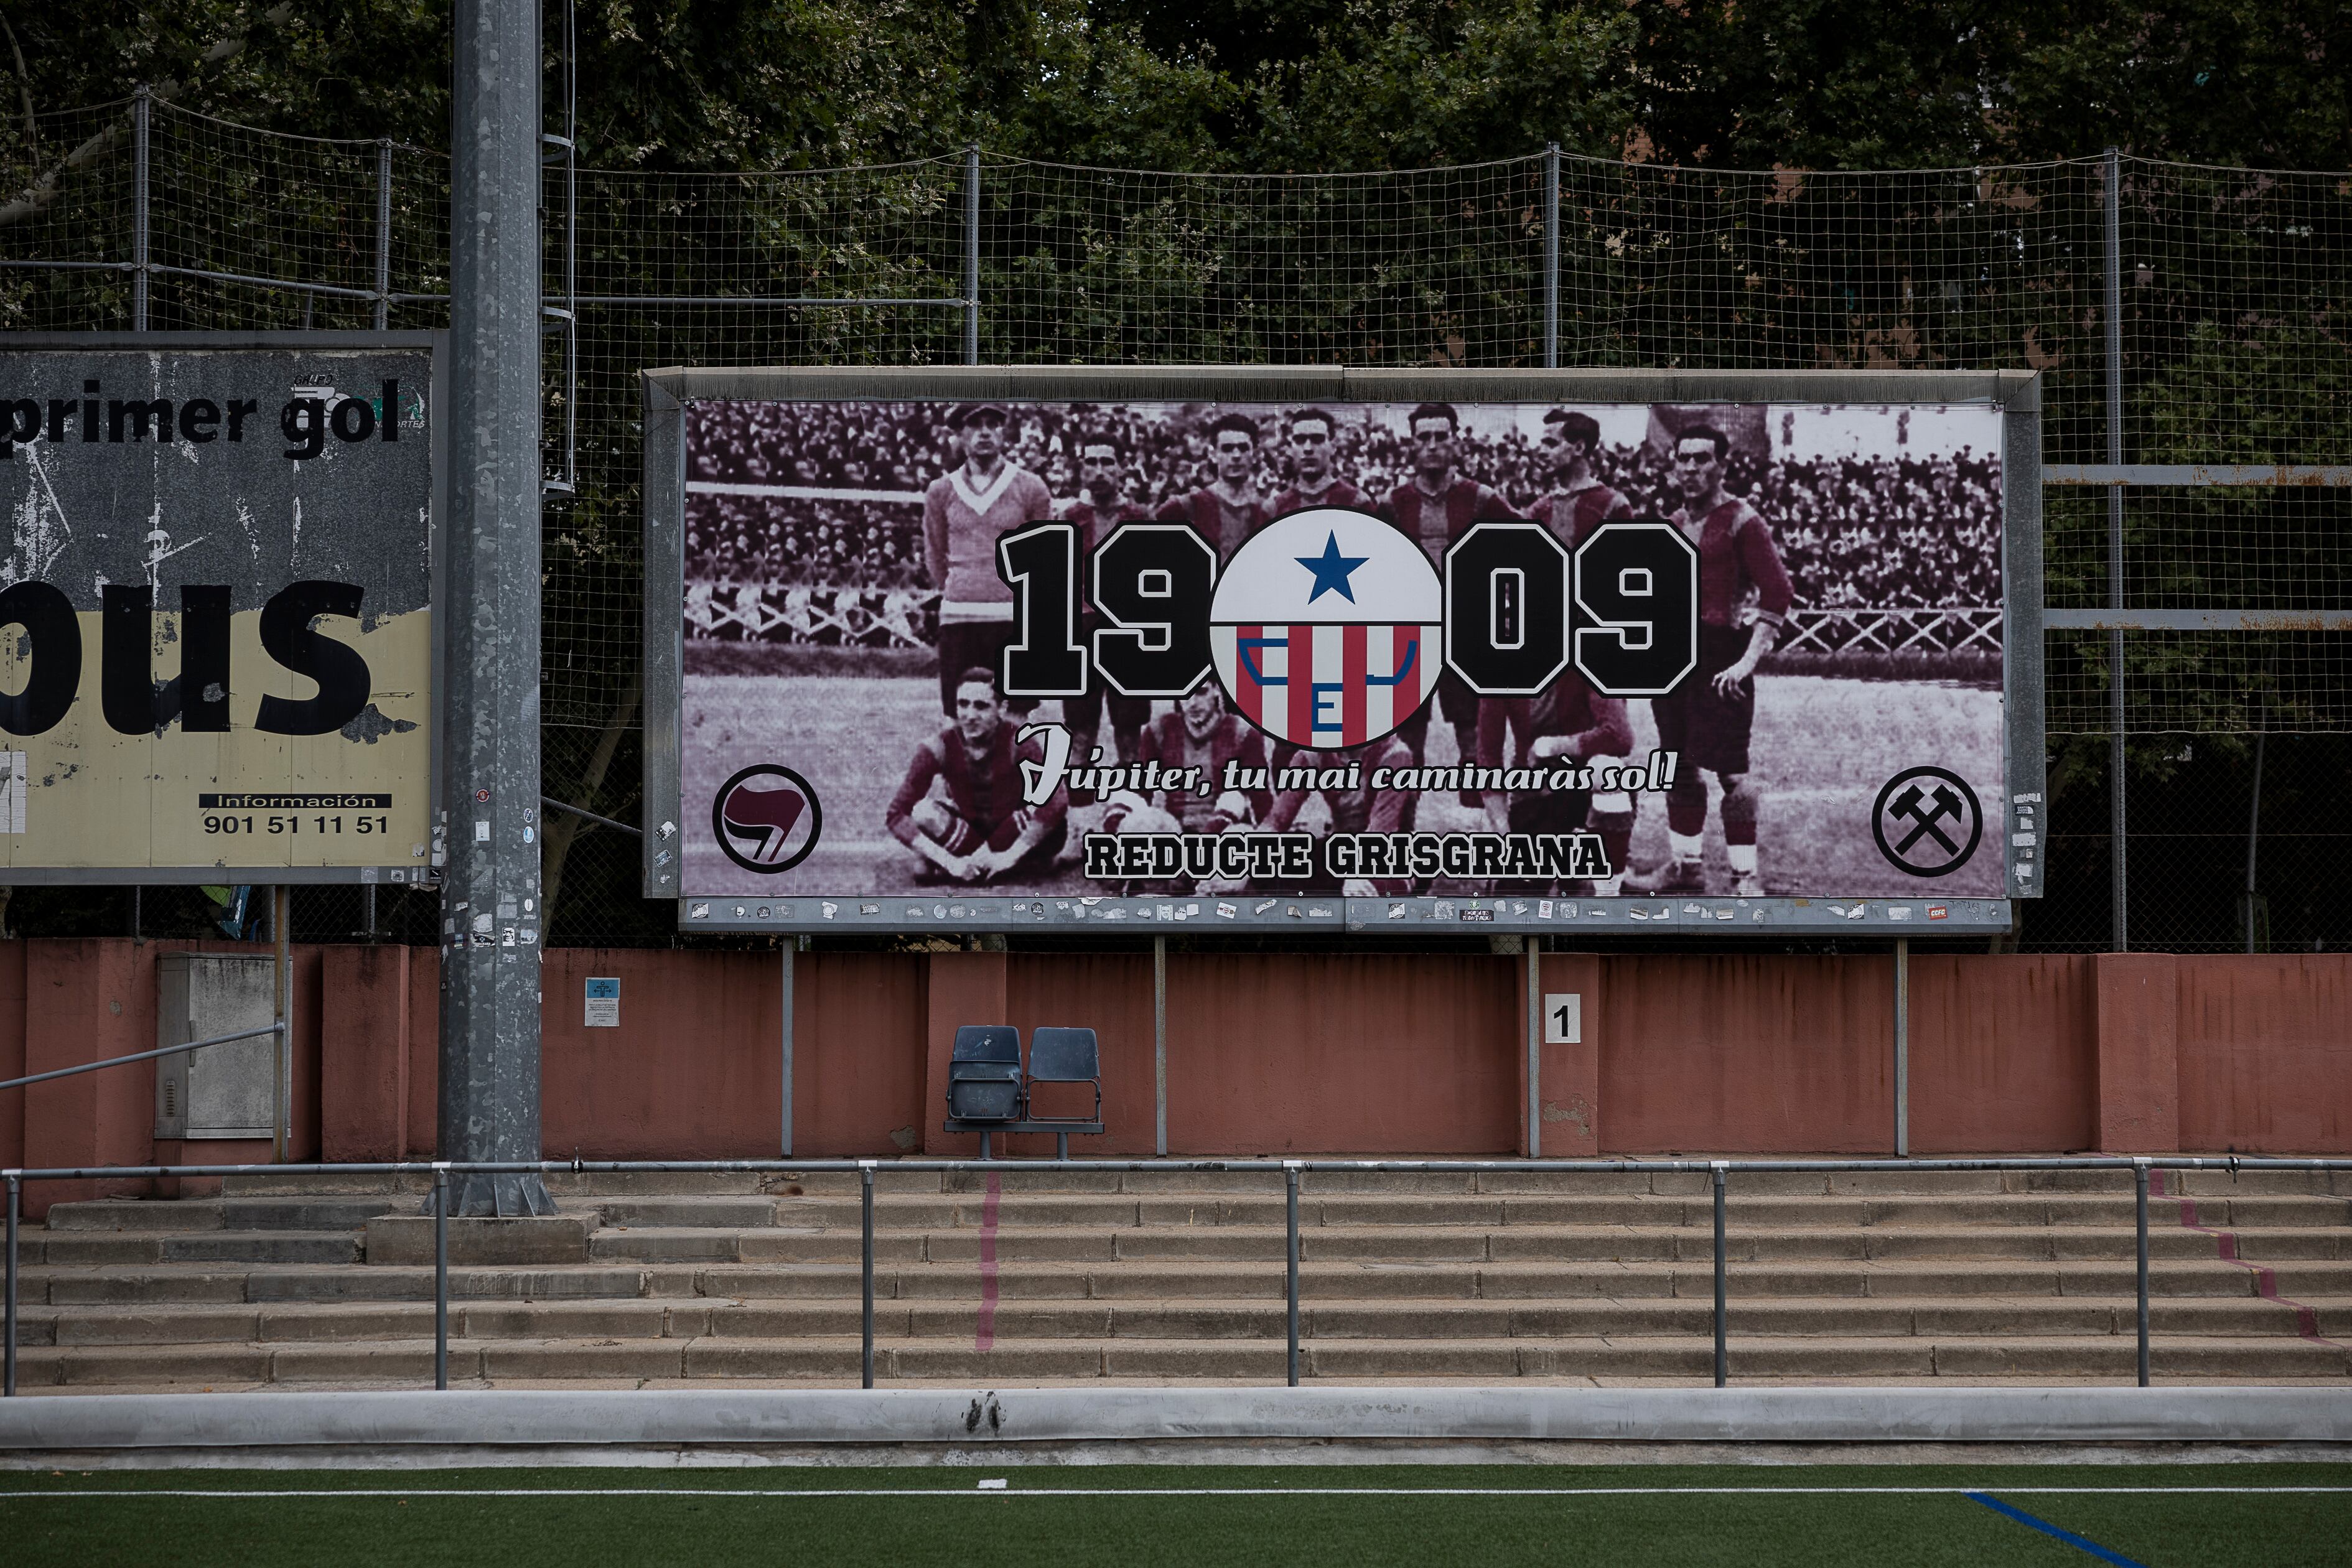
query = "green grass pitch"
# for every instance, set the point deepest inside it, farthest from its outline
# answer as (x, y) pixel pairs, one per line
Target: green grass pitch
(2215, 1516)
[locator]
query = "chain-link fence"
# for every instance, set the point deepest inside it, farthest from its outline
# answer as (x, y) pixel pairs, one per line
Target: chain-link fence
(2196, 322)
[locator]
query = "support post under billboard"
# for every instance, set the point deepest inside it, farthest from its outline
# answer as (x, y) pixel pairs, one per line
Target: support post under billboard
(491, 800)
(784, 1027)
(1902, 1048)
(1160, 1045)
(1534, 946)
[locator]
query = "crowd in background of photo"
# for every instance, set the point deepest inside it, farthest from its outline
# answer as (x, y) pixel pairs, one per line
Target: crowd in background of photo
(844, 552)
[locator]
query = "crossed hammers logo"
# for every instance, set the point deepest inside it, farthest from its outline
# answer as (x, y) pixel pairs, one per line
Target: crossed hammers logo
(1914, 802)
(1936, 804)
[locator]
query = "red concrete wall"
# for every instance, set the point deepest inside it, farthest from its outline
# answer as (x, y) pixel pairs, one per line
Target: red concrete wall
(857, 1055)
(1746, 1053)
(1266, 1053)
(2004, 1054)
(1287, 1054)
(2264, 1049)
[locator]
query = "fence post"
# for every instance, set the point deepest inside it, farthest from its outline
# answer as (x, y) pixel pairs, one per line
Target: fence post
(971, 253)
(865, 1273)
(1290, 1187)
(2139, 1206)
(1551, 256)
(8, 1332)
(441, 1277)
(383, 245)
(141, 107)
(1722, 1346)
(2120, 881)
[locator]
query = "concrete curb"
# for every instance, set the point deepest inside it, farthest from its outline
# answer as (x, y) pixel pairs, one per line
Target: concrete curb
(967, 1419)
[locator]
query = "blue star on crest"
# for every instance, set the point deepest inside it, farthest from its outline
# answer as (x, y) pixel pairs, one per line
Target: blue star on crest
(1332, 570)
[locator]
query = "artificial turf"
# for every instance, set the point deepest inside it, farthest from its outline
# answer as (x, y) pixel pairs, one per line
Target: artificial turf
(940, 1515)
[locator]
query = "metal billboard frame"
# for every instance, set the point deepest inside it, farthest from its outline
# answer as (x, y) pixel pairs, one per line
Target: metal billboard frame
(434, 342)
(2018, 821)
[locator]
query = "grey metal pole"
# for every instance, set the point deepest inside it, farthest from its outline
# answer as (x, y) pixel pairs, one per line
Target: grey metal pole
(1902, 1048)
(281, 922)
(1290, 1188)
(971, 253)
(142, 103)
(1531, 948)
(865, 1278)
(440, 1279)
(1551, 256)
(8, 1332)
(1160, 1045)
(2119, 877)
(2253, 836)
(383, 241)
(1722, 1327)
(2139, 1207)
(784, 1041)
(490, 806)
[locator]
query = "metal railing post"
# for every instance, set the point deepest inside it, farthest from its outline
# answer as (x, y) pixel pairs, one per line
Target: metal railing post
(1551, 256)
(384, 250)
(142, 110)
(441, 1277)
(2118, 877)
(1290, 1187)
(9, 1333)
(971, 253)
(2140, 1221)
(865, 1276)
(1722, 1335)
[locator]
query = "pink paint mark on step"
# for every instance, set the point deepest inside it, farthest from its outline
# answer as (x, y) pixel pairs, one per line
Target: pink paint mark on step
(2225, 1244)
(986, 1336)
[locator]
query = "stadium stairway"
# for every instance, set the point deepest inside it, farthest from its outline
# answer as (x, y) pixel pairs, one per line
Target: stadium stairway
(1035, 1276)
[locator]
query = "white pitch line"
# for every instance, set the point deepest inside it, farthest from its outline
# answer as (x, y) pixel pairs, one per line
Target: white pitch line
(1192, 1492)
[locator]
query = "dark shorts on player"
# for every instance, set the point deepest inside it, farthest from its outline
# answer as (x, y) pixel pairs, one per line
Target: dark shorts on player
(1711, 732)
(966, 645)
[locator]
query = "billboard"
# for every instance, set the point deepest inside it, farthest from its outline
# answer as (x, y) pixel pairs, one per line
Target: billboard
(1379, 650)
(218, 656)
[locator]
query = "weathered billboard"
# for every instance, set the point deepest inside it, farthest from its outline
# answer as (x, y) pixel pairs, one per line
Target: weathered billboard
(1346, 649)
(216, 635)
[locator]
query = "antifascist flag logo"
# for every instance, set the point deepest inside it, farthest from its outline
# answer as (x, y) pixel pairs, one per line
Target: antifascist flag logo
(1327, 628)
(766, 818)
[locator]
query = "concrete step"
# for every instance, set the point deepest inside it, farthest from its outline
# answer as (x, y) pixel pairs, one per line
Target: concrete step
(835, 1357)
(95, 1248)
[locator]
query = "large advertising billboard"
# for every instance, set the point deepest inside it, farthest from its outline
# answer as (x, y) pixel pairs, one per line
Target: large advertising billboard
(1347, 649)
(217, 661)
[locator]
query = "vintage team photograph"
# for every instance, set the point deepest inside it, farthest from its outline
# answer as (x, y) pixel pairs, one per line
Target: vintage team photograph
(1786, 677)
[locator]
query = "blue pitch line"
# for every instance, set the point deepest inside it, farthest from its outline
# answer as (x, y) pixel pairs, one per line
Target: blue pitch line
(2046, 1528)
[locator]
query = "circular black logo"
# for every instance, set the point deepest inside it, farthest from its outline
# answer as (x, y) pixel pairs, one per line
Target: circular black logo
(1928, 821)
(766, 817)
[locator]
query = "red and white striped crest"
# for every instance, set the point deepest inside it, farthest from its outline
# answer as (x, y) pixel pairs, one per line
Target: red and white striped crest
(1325, 686)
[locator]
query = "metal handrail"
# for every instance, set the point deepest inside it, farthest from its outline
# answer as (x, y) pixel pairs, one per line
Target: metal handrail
(276, 1026)
(1718, 1172)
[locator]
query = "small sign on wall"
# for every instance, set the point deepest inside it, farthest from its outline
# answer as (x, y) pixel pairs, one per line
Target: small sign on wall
(1563, 1017)
(603, 1002)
